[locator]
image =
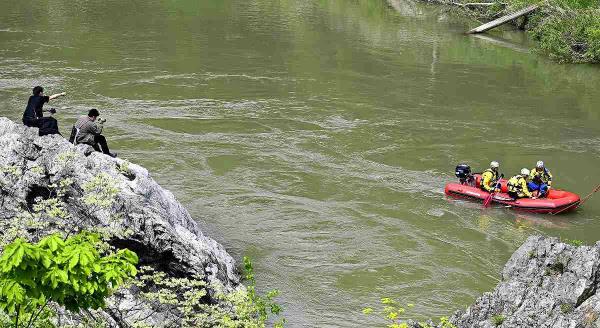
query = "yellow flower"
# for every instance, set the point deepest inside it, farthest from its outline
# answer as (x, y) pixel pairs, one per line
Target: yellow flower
(392, 315)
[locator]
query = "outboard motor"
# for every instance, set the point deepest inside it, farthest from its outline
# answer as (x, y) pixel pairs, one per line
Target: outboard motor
(463, 173)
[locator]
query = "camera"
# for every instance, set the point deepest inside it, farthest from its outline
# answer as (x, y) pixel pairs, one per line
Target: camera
(52, 110)
(101, 120)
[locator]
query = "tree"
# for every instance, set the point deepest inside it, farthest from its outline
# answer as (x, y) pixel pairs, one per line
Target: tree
(71, 273)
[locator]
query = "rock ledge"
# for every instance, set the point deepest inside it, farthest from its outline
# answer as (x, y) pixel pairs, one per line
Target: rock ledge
(545, 284)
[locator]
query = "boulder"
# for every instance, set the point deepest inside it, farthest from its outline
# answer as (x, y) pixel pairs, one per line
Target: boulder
(545, 284)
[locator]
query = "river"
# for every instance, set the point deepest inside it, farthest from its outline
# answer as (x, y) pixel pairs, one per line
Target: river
(316, 136)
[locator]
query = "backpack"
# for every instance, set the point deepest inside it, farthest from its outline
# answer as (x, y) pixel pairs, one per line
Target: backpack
(48, 125)
(74, 135)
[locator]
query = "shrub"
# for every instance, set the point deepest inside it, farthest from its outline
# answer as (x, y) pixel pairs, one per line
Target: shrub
(70, 273)
(124, 169)
(9, 175)
(185, 298)
(392, 312)
(262, 306)
(498, 319)
(565, 30)
(100, 192)
(572, 36)
(49, 213)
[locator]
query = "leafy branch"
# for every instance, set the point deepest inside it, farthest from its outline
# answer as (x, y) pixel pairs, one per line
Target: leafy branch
(70, 273)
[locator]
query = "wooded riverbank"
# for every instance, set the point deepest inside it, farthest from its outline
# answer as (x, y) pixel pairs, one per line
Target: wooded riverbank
(567, 31)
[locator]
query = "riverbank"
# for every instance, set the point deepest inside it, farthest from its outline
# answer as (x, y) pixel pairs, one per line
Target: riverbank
(567, 31)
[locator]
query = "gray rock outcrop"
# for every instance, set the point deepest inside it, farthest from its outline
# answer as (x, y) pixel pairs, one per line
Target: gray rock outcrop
(159, 229)
(545, 284)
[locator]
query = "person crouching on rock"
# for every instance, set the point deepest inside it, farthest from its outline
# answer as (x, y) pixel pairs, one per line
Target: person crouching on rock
(34, 112)
(89, 132)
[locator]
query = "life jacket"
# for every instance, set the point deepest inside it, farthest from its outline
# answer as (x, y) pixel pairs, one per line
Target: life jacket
(515, 184)
(493, 180)
(543, 176)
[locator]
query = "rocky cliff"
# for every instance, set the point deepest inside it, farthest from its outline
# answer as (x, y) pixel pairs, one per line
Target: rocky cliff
(545, 284)
(152, 222)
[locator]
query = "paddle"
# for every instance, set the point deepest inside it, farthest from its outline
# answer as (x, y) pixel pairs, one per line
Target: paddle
(488, 200)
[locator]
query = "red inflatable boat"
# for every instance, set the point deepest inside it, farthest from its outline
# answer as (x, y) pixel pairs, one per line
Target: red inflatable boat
(557, 201)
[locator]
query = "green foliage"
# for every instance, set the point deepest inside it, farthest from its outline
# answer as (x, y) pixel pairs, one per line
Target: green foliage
(242, 308)
(71, 273)
(565, 30)
(124, 169)
(570, 36)
(11, 170)
(37, 170)
(45, 319)
(575, 4)
(513, 5)
(47, 216)
(445, 323)
(52, 207)
(498, 319)
(8, 178)
(82, 272)
(101, 191)
(28, 224)
(67, 157)
(573, 242)
(392, 312)
(566, 308)
(263, 306)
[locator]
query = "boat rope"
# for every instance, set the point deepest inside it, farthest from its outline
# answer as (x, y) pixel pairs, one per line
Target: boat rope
(580, 202)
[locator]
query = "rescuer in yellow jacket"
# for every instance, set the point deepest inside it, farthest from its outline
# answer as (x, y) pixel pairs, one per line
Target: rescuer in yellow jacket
(517, 186)
(490, 177)
(540, 179)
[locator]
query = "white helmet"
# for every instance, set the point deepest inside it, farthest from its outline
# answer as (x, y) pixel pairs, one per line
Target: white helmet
(524, 171)
(539, 164)
(494, 164)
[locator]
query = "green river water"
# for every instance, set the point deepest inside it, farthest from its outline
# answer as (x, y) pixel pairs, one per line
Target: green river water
(316, 136)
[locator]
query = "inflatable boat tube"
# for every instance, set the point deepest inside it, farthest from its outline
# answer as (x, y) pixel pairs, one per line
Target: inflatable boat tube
(557, 201)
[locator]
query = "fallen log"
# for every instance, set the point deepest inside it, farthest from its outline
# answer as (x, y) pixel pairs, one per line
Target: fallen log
(503, 20)
(474, 4)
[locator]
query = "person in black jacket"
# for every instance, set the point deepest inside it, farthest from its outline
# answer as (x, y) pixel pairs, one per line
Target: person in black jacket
(34, 112)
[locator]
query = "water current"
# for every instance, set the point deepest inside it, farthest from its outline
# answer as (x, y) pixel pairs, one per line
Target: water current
(316, 136)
